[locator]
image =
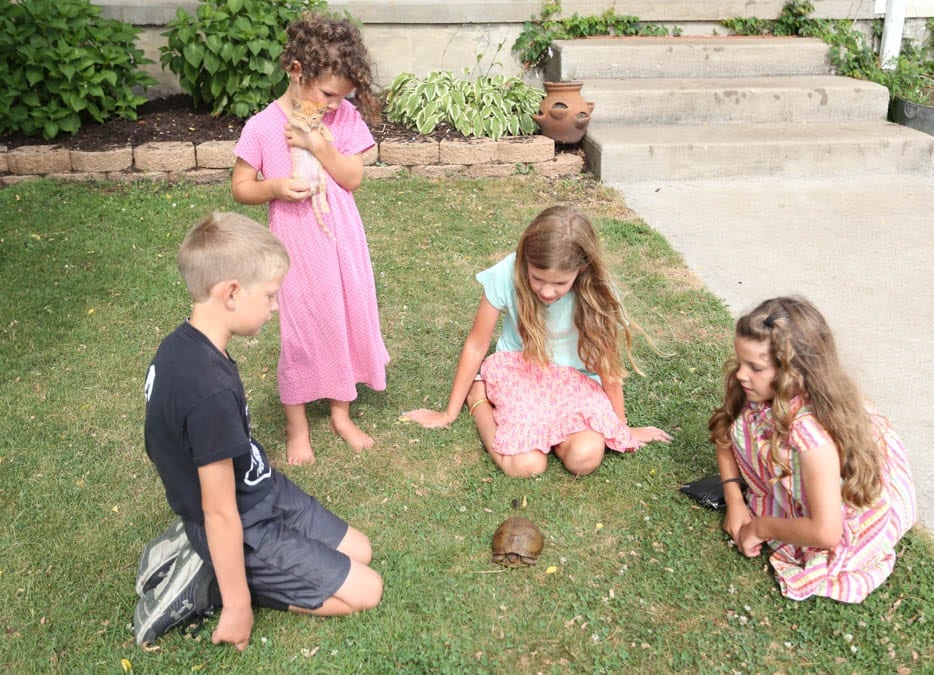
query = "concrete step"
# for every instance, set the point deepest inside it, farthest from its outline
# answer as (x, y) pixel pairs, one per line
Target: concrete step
(610, 58)
(794, 98)
(626, 154)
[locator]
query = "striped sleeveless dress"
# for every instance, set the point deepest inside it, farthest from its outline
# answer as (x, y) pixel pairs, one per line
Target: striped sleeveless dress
(865, 556)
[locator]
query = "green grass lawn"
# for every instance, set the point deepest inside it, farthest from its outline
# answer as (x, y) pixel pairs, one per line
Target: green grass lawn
(632, 577)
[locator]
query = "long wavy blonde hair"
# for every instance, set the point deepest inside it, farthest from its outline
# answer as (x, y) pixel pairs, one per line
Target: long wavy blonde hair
(561, 238)
(802, 349)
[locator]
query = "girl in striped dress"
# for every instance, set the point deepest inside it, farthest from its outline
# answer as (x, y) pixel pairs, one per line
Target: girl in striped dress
(828, 487)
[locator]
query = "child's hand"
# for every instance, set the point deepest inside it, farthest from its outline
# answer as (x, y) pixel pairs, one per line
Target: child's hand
(748, 542)
(311, 140)
(290, 189)
(649, 434)
(430, 419)
(234, 626)
(734, 520)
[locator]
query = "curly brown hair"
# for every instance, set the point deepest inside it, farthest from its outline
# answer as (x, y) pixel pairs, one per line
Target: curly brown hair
(562, 238)
(802, 349)
(326, 46)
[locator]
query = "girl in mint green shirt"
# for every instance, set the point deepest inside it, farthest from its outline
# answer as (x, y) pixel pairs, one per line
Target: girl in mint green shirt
(555, 379)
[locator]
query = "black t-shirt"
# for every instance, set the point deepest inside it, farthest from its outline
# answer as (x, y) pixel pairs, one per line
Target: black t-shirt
(196, 414)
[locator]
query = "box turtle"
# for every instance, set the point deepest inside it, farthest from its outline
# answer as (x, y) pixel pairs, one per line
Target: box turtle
(517, 542)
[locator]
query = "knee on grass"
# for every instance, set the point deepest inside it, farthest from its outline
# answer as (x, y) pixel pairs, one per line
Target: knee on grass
(366, 588)
(527, 465)
(581, 456)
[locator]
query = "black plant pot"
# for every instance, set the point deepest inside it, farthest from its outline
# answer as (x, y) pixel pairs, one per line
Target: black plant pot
(914, 115)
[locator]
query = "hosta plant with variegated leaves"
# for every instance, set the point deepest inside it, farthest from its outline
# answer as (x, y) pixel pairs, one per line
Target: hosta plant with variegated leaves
(488, 106)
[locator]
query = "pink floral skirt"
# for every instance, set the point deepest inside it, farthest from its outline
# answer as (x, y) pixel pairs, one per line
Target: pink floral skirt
(537, 407)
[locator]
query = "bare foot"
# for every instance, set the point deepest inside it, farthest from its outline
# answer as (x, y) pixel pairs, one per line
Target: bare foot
(297, 440)
(298, 450)
(352, 434)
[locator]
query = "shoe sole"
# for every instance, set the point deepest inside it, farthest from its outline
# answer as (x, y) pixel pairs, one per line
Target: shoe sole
(158, 555)
(182, 595)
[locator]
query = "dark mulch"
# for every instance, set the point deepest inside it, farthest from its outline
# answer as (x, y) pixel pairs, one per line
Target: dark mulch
(174, 118)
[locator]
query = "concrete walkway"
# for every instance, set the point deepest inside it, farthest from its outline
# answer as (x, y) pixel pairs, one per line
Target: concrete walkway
(861, 249)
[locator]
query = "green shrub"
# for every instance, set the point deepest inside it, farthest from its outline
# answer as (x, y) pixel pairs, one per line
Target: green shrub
(488, 106)
(794, 20)
(536, 36)
(227, 57)
(62, 64)
(911, 77)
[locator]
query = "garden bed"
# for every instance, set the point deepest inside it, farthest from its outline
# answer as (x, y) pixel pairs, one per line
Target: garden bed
(171, 140)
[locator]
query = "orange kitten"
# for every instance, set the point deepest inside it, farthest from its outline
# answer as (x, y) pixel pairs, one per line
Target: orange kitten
(307, 115)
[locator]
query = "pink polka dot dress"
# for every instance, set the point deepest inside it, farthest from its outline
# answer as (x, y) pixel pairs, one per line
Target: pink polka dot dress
(328, 317)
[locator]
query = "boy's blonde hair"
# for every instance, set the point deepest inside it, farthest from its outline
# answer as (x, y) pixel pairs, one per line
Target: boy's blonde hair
(226, 246)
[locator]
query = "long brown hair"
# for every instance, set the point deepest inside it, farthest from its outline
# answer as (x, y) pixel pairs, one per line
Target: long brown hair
(803, 352)
(562, 238)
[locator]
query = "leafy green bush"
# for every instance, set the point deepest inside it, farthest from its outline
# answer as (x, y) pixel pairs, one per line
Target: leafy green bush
(62, 64)
(911, 77)
(793, 20)
(536, 36)
(227, 57)
(489, 106)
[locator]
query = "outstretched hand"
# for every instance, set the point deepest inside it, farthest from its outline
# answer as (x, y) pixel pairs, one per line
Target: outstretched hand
(430, 419)
(649, 434)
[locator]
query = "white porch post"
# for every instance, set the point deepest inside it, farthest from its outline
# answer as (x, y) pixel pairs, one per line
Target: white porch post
(892, 32)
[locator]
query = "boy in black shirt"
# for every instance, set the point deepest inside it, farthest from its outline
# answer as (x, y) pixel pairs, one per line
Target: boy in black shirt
(265, 540)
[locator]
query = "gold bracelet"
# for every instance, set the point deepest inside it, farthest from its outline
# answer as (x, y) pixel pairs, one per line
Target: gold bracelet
(476, 403)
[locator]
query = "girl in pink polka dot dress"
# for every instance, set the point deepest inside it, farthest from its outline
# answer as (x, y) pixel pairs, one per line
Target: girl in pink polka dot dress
(329, 320)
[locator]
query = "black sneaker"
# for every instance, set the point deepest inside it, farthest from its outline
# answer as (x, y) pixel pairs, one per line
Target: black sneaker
(183, 595)
(158, 556)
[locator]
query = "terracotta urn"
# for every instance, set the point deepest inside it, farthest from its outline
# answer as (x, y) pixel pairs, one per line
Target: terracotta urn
(564, 114)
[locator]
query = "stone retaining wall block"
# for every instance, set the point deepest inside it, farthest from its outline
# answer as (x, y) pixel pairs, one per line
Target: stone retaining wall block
(118, 159)
(564, 164)
(437, 170)
(39, 159)
(204, 176)
(215, 155)
(467, 151)
(167, 156)
(79, 176)
(525, 149)
(490, 170)
(408, 154)
(371, 156)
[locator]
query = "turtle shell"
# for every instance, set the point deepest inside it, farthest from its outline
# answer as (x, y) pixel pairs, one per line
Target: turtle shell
(517, 542)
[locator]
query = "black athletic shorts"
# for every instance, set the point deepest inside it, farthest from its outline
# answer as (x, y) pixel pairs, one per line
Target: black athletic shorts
(290, 548)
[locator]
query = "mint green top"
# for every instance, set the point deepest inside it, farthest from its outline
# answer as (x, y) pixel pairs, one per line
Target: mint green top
(561, 333)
